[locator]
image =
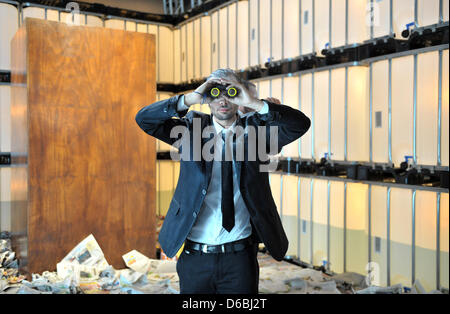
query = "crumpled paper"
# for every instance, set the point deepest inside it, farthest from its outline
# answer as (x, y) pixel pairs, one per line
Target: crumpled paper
(85, 262)
(9, 265)
(85, 270)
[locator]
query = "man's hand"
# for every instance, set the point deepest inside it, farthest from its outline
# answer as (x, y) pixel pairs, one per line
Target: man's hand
(196, 97)
(244, 98)
(273, 100)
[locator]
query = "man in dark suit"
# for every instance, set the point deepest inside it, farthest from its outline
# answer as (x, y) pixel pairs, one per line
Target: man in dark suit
(222, 206)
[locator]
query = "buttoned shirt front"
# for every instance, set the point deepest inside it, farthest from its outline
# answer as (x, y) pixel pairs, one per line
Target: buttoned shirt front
(208, 228)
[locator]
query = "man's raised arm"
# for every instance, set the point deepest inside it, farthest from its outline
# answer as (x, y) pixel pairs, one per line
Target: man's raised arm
(158, 120)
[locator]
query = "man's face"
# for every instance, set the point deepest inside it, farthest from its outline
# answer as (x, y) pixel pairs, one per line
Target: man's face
(223, 108)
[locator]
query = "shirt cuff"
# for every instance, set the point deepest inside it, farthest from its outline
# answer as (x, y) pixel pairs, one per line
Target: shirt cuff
(265, 108)
(180, 105)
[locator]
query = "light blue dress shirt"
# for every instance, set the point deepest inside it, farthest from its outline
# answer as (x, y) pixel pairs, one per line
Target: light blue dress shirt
(208, 228)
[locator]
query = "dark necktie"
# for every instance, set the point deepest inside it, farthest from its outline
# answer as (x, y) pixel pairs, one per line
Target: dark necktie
(227, 189)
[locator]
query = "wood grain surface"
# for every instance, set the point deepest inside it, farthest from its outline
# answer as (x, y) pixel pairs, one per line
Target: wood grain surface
(91, 170)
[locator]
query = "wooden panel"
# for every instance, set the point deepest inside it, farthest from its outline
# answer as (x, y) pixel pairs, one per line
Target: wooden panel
(90, 168)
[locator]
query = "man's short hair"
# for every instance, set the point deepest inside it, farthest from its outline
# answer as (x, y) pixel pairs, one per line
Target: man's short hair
(226, 73)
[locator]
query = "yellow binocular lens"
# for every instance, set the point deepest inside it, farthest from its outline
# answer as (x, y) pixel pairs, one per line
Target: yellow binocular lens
(215, 92)
(232, 92)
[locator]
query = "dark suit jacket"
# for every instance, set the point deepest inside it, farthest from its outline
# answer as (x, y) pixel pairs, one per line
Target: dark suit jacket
(159, 118)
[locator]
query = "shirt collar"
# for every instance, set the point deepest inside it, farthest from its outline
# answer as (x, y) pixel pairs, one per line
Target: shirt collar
(220, 128)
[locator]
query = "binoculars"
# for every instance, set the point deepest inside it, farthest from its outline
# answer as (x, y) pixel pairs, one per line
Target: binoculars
(217, 90)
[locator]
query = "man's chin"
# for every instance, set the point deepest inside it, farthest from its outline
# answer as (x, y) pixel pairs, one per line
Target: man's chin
(225, 116)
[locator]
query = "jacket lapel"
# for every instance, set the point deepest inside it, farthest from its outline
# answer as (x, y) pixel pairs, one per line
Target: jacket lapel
(240, 123)
(209, 164)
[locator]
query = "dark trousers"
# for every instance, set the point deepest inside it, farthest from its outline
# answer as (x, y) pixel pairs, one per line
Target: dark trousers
(221, 273)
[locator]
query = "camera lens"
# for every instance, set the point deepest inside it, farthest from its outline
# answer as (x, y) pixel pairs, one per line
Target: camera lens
(232, 92)
(215, 92)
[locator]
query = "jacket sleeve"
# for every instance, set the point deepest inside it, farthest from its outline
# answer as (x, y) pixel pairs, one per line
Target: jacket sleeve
(160, 118)
(292, 124)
